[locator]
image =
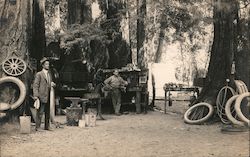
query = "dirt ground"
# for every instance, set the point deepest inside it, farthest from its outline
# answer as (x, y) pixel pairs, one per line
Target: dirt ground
(133, 135)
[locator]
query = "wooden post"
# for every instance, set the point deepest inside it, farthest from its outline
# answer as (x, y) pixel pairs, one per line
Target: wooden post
(165, 103)
(138, 102)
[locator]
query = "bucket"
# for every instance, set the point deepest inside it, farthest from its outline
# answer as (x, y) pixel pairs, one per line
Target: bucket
(90, 119)
(81, 123)
(25, 124)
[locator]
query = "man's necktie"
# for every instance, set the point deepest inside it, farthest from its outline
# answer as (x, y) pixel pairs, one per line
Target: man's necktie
(48, 78)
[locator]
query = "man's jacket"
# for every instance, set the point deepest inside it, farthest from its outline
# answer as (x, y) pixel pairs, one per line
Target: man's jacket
(41, 87)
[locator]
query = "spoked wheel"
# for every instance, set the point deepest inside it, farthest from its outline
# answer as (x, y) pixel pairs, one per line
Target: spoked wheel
(223, 96)
(199, 113)
(14, 66)
(242, 107)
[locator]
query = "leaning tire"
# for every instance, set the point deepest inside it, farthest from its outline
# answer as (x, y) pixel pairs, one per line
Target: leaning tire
(201, 120)
(4, 106)
(240, 86)
(238, 108)
(243, 86)
(228, 112)
(22, 89)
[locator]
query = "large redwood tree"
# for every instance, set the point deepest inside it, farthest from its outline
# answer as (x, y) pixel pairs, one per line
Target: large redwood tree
(225, 50)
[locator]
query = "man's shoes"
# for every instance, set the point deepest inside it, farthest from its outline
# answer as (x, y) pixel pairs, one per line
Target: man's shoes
(118, 114)
(48, 129)
(39, 129)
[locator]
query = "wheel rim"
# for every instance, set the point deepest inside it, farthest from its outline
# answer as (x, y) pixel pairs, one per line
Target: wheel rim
(14, 66)
(223, 96)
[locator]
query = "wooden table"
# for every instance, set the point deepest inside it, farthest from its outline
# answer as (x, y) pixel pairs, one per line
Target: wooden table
(138, 93)
(179, 89)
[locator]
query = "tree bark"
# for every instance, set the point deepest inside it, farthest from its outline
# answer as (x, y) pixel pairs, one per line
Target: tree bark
(15, 37)
(79, 12)
(38, 43)
(14, 28)
(160, 44)
(141, 13)
(224, 49)
(243, 54)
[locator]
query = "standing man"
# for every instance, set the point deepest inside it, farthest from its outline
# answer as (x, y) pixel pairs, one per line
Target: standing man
(41, 90)
(116, 84)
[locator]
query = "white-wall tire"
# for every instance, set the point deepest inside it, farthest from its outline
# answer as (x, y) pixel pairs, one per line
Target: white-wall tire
(201, 120)
(240, 86)
(4, 106)
(238, 109)
(229, 115)
(21, 87)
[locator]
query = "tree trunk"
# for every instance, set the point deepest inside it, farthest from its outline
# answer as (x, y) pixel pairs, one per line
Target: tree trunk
(38, 47)
(243, 55)
(224, 49)
(141, 13)
(15, 37)
(79, 12)
(160, 44)
(15, 24)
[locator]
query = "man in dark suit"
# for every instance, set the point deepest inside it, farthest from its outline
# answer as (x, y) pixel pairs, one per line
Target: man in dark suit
(41, 90)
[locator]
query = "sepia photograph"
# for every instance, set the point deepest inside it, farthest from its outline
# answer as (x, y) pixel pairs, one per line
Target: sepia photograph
(124, 78)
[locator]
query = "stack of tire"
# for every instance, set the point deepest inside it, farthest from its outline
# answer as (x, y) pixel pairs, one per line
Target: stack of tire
(240, 103)
(232, 107)
(13, 67)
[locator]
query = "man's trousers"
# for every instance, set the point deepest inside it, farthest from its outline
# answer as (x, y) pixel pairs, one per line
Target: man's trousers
(116, 100)
(44, 108)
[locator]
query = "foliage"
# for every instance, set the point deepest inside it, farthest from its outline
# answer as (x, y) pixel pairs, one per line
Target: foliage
(81, 36)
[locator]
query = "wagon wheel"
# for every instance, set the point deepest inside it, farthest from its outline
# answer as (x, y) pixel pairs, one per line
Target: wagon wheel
(14, 66)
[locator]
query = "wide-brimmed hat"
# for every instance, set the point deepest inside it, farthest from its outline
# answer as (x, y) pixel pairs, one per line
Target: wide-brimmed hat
(43, 60)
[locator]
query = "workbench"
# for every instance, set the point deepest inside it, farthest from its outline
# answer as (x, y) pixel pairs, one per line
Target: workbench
(168, 90)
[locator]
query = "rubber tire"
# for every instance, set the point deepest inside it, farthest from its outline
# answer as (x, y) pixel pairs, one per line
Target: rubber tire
(4, 106)
(202, 120)
(241, 86)
(21, 87)
(238, 109)
(217, 103)
(228, 111)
